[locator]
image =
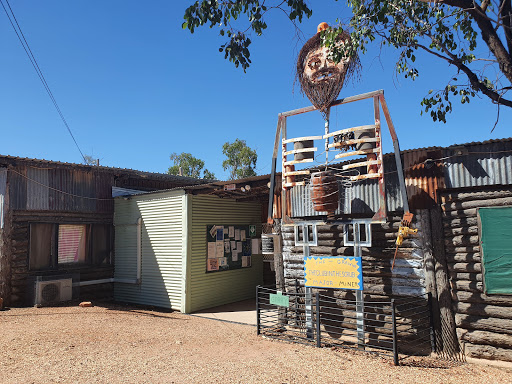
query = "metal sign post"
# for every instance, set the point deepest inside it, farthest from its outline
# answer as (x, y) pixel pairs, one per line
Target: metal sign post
(357, 243)
(306, 243)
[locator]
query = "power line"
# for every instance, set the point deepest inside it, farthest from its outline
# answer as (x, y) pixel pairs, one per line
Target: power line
(34, 63)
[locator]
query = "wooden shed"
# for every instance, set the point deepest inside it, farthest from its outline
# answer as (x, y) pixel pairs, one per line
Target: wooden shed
(164, 242)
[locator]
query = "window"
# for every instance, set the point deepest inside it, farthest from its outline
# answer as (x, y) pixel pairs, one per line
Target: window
(495, 226)
(72, 244)
(58, 246)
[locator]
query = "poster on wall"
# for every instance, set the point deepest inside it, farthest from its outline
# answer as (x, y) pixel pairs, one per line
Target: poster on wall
(229, 247)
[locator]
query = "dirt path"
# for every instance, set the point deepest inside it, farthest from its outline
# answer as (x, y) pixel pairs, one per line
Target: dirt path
(116, 344)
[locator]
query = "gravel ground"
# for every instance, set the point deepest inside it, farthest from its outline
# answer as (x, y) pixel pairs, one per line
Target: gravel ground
(120, 344)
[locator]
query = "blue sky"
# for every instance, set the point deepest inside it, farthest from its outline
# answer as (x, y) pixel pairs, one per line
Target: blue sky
(135, 87)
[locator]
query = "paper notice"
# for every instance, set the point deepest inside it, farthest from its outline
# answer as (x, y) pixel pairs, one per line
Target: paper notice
(246, 261)
(237, 234)
(223, 262)
(231, 232)
(219, 245)
(255, 246)
(211, 250)
(242, 235)
(220, 233)
(234, 255)
(233, 245)
(239, 246)
(227, 246)
(212, 264)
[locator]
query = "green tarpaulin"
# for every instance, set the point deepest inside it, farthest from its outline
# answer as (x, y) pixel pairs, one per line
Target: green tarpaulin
(496, 240)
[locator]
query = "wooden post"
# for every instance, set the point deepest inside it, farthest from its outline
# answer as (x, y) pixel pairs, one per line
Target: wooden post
(5, 250)
(448, 329)
(430, 273)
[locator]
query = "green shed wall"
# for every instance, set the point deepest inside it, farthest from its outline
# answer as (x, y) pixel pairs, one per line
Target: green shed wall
(163, 249)
(205, 290)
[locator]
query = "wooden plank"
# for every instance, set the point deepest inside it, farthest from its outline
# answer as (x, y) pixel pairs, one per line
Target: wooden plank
(352, 142)
(353, 129)
(295, 173)
(367, 176)
(293, 184)
(356, 153)
(345, 100)
(305, 138)
(361, 164)
(298, 161)
(312, 149)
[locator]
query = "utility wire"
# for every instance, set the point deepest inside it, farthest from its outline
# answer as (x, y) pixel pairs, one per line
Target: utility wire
(33, 60)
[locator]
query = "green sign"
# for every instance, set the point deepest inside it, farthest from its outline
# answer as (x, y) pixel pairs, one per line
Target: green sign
(280, 300)
(252, 231)
(495, 224)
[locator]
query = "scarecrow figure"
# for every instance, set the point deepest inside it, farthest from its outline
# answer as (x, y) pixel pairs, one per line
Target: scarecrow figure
(320, 78)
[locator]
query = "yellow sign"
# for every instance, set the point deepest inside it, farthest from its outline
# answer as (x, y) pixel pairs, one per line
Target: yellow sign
(333, 272)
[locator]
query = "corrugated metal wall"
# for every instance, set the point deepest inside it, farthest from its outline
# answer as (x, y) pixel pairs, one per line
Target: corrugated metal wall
(60, 189)
(426, 171)
(163, 249)
(484, 164)
(360, 197)
(217, 288)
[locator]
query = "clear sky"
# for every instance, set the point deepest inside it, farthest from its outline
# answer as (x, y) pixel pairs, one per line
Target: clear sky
(135, 87)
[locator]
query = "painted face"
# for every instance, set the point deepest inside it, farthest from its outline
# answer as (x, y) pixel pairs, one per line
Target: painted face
(319, 68)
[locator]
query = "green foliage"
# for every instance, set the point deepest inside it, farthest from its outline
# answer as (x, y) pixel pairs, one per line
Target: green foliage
(225, 14)
(241, 160)
(450, 30)
(190, 166)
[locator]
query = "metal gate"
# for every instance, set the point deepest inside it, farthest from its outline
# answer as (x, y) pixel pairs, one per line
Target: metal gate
(398, 328)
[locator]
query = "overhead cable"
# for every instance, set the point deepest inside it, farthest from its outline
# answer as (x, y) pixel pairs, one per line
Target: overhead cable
(28, 51)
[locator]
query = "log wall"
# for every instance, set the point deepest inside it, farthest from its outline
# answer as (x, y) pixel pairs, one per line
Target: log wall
(406, 279)
(484, 322)
(17, 246)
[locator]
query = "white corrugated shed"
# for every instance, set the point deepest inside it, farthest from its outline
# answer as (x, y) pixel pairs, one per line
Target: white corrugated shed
(162, 247)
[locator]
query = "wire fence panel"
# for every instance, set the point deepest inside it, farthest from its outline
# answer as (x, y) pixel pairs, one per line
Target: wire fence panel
(396, 328)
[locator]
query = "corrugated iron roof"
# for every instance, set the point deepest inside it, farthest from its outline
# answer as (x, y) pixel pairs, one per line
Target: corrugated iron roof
(7, 158)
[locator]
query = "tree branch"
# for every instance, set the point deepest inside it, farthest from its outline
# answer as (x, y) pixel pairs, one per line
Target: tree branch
(506, 16)
(489, 34)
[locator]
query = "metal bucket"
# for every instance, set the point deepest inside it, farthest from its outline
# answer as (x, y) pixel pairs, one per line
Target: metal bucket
(324, 192)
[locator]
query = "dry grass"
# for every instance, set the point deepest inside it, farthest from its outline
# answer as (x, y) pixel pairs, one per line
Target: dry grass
(118, 344)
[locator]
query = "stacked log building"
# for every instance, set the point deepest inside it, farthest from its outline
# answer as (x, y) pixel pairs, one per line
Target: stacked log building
(447, 190)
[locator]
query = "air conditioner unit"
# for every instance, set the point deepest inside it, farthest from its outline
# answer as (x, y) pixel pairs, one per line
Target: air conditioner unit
(53, 291)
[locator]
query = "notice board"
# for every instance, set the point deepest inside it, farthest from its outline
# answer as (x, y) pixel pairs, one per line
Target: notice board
(229, 247)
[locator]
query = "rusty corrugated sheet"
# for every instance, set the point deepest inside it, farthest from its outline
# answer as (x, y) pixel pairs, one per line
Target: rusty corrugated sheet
(423, 177)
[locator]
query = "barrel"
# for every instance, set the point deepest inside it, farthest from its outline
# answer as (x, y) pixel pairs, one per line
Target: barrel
(302, 145)
(324, 192)
(365, 134)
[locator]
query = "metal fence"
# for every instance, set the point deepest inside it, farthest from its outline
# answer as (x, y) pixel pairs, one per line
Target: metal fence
(398, 328)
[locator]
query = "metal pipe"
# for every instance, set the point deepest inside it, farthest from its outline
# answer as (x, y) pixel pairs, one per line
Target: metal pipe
(139, 248)
(258, 324)
(395, 347)
(318, 331)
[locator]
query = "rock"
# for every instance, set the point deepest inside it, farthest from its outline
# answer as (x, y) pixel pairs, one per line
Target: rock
(85, 304)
